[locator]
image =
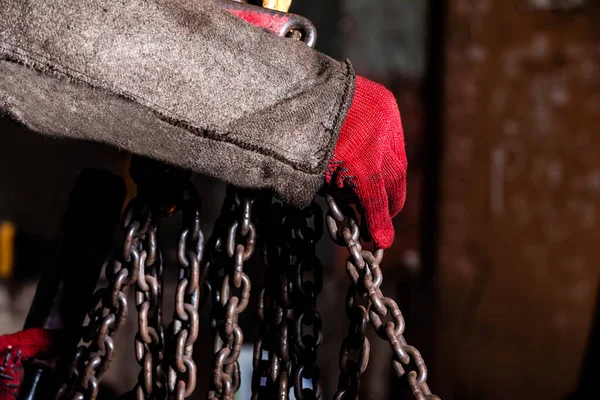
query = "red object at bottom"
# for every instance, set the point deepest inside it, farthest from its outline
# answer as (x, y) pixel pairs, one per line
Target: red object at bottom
(18, 348)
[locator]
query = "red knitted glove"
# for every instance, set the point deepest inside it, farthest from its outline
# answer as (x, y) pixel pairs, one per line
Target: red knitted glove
(16, 348)
(370, 159)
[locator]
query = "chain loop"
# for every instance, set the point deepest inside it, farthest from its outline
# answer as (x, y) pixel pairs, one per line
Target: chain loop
(304, 229)
(109, 311)
(366, 279)
(351, 369)
(150, 340)
(183, 331)
(232, 244)
(275, 344)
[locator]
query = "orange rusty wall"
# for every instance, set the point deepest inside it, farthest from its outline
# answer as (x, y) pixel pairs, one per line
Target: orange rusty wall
(520, 197)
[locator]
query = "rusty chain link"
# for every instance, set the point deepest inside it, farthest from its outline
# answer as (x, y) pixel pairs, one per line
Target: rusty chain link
(288, 306)
(363, 269)
(302, 248)
(150, 339)
(232, 244)
(93, 357)
(183, 331)
(271, 375)
(139, 261)
(351, 369)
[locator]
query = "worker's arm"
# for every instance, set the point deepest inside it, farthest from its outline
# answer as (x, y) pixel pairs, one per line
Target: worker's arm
(190, 84)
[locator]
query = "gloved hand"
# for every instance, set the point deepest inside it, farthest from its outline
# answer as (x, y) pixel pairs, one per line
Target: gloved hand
(14, 350)
(369, 157)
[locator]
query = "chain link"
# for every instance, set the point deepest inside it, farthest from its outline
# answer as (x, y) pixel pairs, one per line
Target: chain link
(232, 244)
(308, 325)
(150, 339)
(183, 331)
(288, 306)
(271, 375)
(109, 311)
(351, 369)
(363, 269)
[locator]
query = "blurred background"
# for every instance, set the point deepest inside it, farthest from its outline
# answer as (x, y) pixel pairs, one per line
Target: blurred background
(495, 264)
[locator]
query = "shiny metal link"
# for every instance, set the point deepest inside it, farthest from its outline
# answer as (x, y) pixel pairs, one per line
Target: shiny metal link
(383, 312)
(109, 311)
(231, 245)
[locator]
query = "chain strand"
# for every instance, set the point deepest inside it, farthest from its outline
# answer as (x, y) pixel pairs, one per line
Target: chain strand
(232, 245)
(183, 331)
(150, 341)
(351, 369)
(308, 325)
(271, 375)
(366, 278)
(94, 356)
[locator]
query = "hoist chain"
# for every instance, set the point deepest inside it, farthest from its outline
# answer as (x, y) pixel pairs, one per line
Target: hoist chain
(271, 375)
(183, 331)
(231, 245)
(351, 369)
(288, 305)
(150, 339)
(308, 325)
(139, 261)
(93, 357)
(363, 269)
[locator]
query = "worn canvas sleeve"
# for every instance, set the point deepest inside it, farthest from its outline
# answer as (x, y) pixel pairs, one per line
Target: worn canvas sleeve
(180, 81)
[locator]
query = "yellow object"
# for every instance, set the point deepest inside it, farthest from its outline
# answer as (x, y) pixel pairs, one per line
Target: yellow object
(131, 188)
(7, 249)
(279, 5)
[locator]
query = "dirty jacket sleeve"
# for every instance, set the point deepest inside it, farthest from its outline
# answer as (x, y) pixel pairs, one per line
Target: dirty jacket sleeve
(180, 81)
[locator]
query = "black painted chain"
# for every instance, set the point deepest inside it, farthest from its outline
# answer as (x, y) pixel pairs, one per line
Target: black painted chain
(93, 357)
(231, 245)
(366, 277)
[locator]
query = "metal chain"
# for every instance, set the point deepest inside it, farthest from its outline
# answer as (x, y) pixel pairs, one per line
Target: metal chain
(183, 331)
(109, 311)
(232, 244)
(351, 369)
(303, 243)
(271, 375)
(366, 277)
(150, 339)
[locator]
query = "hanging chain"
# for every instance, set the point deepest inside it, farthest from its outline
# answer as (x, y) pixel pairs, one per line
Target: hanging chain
(308, 325)
(351, 369)
(271, 375)
(139, 261)
(93, 357)
(232, 244)
(366, 277)
(150, 339)
(183, 331)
